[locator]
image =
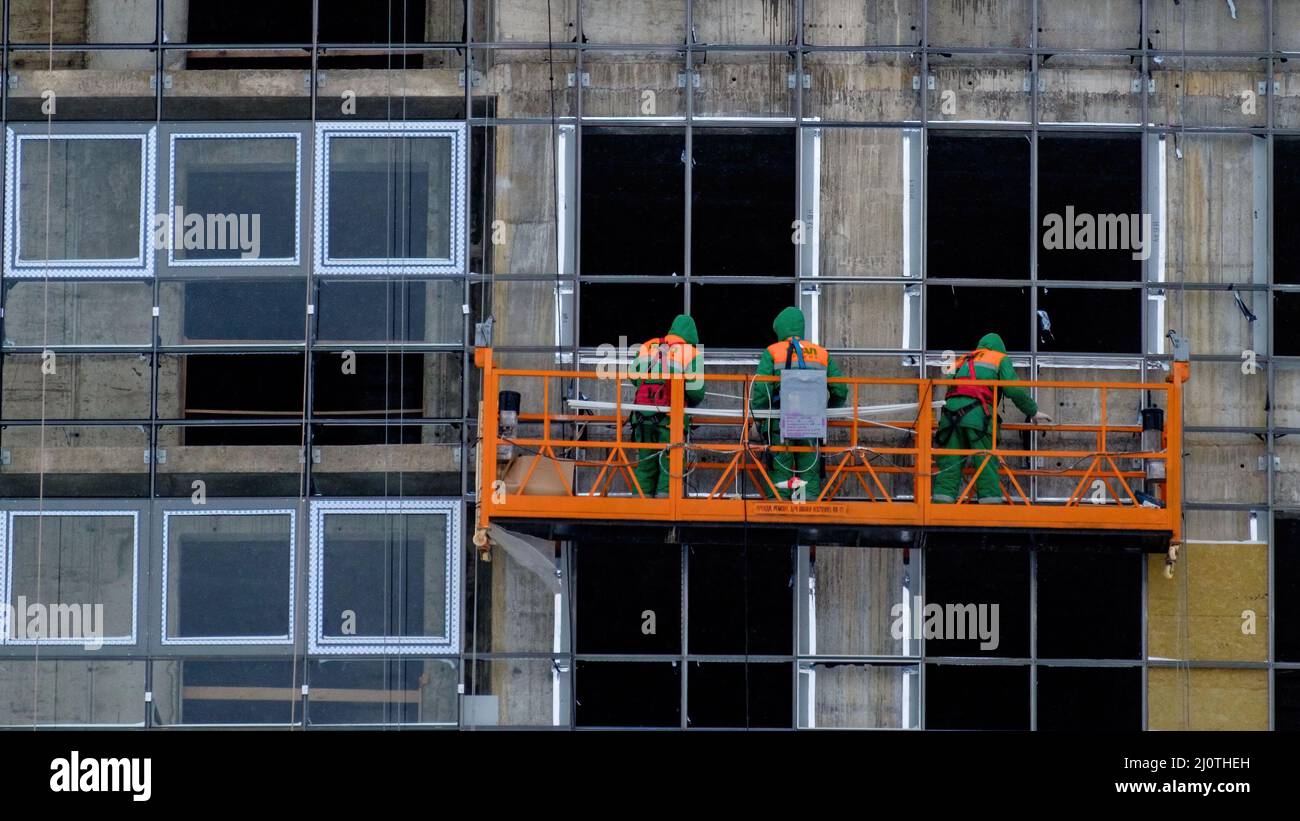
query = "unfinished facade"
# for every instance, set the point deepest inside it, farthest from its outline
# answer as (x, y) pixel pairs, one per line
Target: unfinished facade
(247, 253)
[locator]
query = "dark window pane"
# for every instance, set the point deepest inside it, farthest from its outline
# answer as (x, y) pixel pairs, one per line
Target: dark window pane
(963, 575)
(244, 310)
(633, 203)
(347, 21)
(252, 180)
(239, 387)
(956, 318)
(1085, 321)
(635, 311)
(1286, 212)
(1287, 700)
(371, 311)
(624, 590)
(978, 206)
(243, 691)
(387, 691)
(743, 203)
(1089, 604)
(228, 575)
(249, 21)
(976, 698)
(1286, 334)
(389, 197)
(739, 695)
(1095, 699)
(1286, 586)
(628, 694)
(740, 599)
(1093, 176)
(716, 309)
(388, 571)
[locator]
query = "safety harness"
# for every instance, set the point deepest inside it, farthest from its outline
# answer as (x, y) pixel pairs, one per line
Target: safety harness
(983, 394)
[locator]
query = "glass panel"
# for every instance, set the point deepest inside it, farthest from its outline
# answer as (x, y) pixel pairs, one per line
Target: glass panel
(372, 460)
(516, 693)
(244, 691)
(115, 84)
(385, 310)
(1113, 326)
(956, 318)
(384, 575)
(372, 179)
(633, 202)
(76, 386)
(69, 692)
(52, 313)
(737, 695)
(1073, 622)
(130, 21)
(618, 619)
(84, 564)
(959, 697)
(984, 597)
(858, 696)
(405, 21)
(744, 199)
(381, 691)
(979, 186)
(740, 600)
(224, 461)
(94, 195)
(1100, 699)
(239, 198)
(233, 311)
(628, 694)
(228, 575)
(72, 460)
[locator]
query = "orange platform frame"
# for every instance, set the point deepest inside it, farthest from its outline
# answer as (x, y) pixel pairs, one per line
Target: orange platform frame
(613, 494)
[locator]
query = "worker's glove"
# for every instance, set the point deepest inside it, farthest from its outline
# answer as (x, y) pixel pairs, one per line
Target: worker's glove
(1040, 418)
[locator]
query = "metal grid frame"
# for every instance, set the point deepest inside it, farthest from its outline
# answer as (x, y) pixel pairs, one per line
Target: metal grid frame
(1144, 58)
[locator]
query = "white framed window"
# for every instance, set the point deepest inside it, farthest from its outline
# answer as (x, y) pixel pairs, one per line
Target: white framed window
(70, 577)
(391, 197)
(79, 204)
(385, 577)
(228, 576)
(233, 199)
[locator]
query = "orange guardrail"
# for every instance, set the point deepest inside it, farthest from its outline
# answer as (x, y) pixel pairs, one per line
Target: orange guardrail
(576, 460)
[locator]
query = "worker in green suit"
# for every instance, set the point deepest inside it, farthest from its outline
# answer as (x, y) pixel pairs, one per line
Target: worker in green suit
(966, 421)
(657, 362)
(790, 470)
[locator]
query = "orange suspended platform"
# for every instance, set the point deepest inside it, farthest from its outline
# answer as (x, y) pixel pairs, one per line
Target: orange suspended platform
(565, 461)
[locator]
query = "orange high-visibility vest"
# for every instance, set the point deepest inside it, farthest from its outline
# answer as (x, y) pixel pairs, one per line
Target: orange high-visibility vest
(667, 357)
(814, 355)
(984, 393)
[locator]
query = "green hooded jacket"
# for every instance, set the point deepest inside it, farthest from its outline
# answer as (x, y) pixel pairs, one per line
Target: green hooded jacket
(788, 323)
(684, 327)
(1006, 371)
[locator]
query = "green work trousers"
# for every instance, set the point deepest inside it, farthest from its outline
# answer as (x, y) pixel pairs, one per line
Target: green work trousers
(950, 482)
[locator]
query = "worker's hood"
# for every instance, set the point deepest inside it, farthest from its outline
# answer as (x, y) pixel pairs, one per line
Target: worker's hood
(993, 342)
(684, 327)
(789, 323)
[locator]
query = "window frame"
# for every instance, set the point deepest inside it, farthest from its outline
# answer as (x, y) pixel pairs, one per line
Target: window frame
(165, 549)
(7, 563)
(455, 264)
(240, 131)
(450, 644)
(142, 265)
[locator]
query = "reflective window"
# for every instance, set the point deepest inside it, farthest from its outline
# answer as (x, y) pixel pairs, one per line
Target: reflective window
(228, 576)
(384, 577)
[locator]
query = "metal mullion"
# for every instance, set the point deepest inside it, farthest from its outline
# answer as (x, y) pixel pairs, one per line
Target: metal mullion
(1270, 375)
(689, 154)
